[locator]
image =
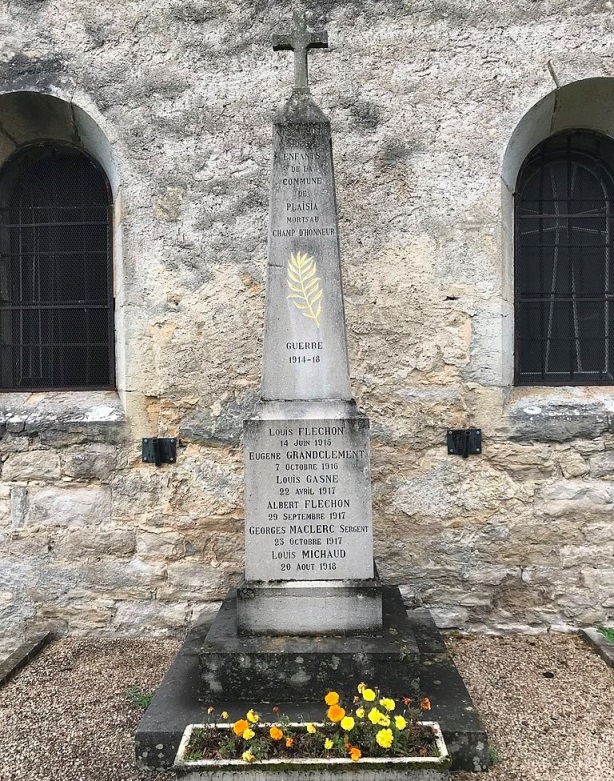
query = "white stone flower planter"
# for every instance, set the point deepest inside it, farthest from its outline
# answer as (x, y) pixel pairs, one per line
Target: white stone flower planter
(384, 769)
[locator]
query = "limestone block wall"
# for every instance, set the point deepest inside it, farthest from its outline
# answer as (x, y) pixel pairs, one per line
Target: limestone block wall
(433, 108)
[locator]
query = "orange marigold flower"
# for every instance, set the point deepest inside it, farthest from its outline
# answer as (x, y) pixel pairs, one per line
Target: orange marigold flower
(276, 710)
(355, 754)
(425, 703)
(289, 742)
(406, 700)
(240, 726)
(276, 733)
(335, 713)
(332, 698)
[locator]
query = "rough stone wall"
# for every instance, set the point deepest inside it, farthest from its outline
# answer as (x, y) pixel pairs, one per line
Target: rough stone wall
(424, 99)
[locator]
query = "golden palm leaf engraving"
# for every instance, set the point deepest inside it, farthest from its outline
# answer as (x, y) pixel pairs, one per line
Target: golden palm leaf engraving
(306, 293)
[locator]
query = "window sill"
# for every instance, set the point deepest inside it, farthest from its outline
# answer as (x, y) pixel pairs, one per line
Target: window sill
(96, 414)
(559, 414)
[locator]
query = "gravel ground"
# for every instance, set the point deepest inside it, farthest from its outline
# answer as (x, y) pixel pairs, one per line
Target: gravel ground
(547, 702)
(67, 717)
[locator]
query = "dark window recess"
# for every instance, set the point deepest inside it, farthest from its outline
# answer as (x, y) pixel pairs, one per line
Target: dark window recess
(56, 284)
(564, 262)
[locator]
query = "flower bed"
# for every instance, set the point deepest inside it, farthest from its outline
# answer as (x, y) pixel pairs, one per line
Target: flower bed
(383, 737)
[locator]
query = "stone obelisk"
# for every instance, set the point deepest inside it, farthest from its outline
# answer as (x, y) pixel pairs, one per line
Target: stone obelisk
(308, 530)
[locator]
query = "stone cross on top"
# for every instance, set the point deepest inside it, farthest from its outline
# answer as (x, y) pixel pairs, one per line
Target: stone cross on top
(299, 42)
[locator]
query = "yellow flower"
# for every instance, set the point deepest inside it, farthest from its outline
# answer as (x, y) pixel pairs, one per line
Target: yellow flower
(387, 703)
(210, 709)
(332, 698)
(328, 744)
(253, 717)
(384, 738)
(368, 695)
(289, 742)
(248, 734)
(361, 687)
(399, 722)
(224, 714)
(375, 715)
(384, 721)
(347, 723)
(311, 729)
(247, 756)
(360, 712)
(276, 733)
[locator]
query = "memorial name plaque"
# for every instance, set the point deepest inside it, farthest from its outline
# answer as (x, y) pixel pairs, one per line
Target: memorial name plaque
(308, 504)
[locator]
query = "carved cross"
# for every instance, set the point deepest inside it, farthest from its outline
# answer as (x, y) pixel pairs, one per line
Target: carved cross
(299, 42)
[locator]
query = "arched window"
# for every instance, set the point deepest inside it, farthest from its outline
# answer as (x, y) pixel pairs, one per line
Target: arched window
(56, 283)
(564, 254)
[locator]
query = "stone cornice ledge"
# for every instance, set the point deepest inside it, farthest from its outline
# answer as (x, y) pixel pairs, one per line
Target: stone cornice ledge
(32, 413)
(558, 414)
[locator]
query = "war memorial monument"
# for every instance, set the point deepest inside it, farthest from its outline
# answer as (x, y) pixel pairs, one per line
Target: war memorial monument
(311, 613)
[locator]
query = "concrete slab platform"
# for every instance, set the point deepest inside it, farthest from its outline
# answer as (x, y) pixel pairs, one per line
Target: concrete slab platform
(177, 701)
(22, 655)
(600, 644)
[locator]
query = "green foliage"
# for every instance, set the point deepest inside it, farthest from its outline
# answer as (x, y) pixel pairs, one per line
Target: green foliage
(609, 634)
(493, 756)
(137, 697)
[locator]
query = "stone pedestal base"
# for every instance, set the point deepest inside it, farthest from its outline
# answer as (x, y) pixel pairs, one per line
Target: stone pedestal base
(312, 608)
(280, 669)
(179, 702)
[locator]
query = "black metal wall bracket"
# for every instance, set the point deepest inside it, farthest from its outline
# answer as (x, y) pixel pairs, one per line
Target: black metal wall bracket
(464, 441)
(159, 450)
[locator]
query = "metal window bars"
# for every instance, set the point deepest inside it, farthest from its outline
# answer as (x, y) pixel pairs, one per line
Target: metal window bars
(563, 262)
(56, 283)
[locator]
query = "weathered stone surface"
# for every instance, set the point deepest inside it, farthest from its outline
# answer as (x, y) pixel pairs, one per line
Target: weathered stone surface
(43, 465)
(188, 580)
(527, 461)
(573, 465)
(585, 498)
(602, 465)
(91, 462)
(5, 505)
(153, 617)
(167, 546)
(551, 418)
(63, 418)
(19, 505)
(427, 283)
(221, 423)
(106, 541)
(87, 506)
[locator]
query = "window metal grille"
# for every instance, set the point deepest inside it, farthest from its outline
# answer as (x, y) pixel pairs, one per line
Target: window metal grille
(56, 284)
(564, 262)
